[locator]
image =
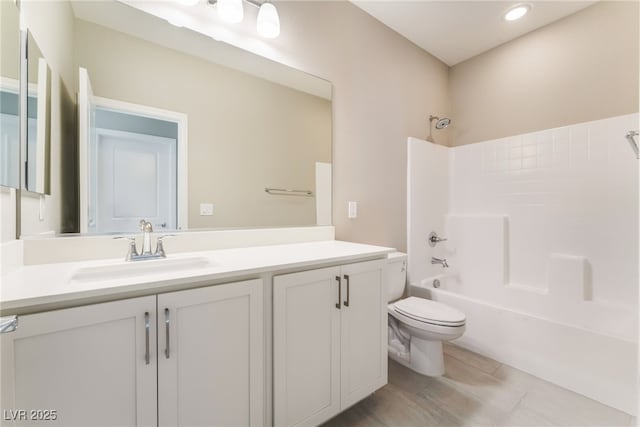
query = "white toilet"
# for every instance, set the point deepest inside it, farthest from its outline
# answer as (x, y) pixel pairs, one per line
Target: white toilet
(418, 326)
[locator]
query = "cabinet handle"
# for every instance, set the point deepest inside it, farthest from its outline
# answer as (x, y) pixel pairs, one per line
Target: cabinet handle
(346, 303)
(339, 292)
(8, 324)
(167, 325)
(146, 337)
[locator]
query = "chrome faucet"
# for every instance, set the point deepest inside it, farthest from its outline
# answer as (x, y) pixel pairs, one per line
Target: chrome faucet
(442, 262)
(145, 253)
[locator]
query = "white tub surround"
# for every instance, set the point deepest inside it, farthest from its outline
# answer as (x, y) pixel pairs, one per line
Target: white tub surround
(36, 287)
(542, 233)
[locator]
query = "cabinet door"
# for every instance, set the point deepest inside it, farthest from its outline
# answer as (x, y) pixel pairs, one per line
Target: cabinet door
(88, 364)
(211, 356)
(306, 347)
(363, 331)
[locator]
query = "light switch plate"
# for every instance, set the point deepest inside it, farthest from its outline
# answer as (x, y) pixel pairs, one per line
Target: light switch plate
(353, 210)
(206, 209)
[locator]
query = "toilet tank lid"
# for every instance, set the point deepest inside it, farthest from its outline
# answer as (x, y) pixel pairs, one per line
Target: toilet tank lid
(429, 310)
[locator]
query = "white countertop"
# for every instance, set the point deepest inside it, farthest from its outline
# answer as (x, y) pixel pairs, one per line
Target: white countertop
(52, 286)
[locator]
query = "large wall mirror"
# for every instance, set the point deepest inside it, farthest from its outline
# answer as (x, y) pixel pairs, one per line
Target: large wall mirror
(9, 94)
(169, 132)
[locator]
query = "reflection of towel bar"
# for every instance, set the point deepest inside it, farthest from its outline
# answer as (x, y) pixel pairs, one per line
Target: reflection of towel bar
(289, 192)
(634, 145)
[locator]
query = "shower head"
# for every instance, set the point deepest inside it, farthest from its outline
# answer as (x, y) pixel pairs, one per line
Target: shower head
(441, 123)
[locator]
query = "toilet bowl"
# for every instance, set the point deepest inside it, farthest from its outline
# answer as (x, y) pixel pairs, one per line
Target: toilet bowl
(418, 326)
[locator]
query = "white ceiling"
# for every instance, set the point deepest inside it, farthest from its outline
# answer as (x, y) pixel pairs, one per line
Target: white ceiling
(454, 31)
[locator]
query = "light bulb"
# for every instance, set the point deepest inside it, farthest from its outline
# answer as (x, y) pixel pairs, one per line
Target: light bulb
(268, 24)
(230, 10)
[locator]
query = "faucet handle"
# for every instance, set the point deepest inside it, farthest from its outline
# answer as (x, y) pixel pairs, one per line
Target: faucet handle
(133, 251)
(160, 245)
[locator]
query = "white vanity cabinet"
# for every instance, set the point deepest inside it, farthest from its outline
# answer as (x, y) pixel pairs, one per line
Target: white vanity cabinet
(329, 340)
(100, 364)
(91, 365)
(211, 356)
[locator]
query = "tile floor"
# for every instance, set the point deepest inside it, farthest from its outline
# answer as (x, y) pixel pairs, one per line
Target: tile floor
(475, 391)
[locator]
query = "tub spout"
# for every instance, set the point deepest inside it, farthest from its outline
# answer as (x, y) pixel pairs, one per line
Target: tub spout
(442, 262)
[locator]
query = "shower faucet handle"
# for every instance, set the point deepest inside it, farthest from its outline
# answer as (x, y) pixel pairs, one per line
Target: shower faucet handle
(434, 239)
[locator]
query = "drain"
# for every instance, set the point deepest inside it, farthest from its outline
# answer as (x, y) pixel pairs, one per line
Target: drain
(436, 283)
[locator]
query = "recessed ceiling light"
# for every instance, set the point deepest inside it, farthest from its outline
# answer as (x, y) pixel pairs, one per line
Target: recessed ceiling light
(516, 12)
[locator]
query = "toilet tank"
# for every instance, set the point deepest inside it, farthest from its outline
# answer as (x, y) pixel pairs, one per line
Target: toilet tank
(396, 275)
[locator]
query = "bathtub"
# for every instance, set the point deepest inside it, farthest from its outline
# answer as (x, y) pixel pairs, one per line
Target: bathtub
(596, 365)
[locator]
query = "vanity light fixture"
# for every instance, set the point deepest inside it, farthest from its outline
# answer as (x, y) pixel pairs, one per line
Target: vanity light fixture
(268, 23)
(516, 12)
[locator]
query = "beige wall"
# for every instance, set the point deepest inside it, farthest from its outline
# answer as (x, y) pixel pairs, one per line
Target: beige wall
(244, 133)
(51, 23)
(10, 40)
(384, 89)
(581, 68)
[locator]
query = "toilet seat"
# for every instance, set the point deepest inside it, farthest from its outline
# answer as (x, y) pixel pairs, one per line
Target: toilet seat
(431, 312)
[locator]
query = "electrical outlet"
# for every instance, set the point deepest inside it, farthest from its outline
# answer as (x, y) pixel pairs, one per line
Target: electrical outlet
(206, 209)
(353, 210)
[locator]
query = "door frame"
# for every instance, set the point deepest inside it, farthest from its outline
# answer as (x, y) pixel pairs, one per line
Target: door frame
(182, 219)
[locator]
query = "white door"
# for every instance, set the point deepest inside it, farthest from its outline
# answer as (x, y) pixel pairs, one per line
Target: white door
(86, 134)
(306, 347)
(134, 177)
(363, 331)
(88, 364)
(211, 356)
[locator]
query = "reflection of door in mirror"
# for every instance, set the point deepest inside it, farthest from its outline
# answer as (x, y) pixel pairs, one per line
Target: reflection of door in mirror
(131, 166)
(132, 176)
(9, 94)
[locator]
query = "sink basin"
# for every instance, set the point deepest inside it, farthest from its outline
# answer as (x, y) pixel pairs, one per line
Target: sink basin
(140, 268)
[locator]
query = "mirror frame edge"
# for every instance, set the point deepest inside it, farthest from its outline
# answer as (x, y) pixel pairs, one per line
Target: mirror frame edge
(22, 130)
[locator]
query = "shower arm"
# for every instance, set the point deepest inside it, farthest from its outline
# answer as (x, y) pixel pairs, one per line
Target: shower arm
(634, 145)
(431, 119)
